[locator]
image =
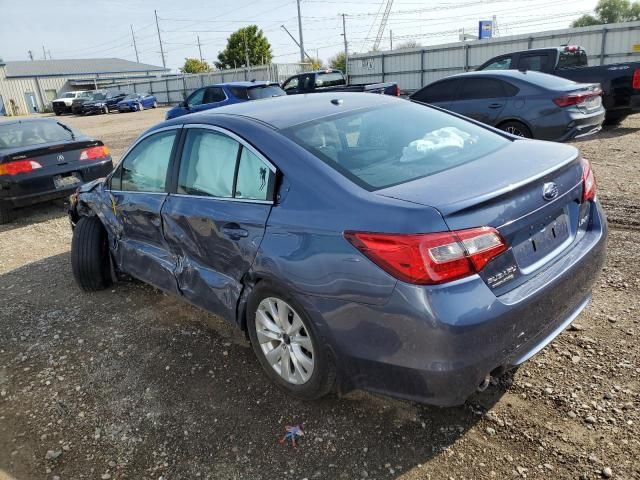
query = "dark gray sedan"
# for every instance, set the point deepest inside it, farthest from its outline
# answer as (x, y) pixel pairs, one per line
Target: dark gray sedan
(528, 104)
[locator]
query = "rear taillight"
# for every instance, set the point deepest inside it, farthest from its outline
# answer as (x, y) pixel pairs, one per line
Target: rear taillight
(589, 186)
(635, 83)
(397, 90)
(94, 153)
(18, 166)
(575, 98)
(430, 258)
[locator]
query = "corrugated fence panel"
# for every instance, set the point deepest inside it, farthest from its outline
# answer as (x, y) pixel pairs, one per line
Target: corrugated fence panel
(444, 60)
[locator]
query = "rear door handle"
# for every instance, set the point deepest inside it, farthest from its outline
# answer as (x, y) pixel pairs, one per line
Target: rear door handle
(234, 231)
(496, 105)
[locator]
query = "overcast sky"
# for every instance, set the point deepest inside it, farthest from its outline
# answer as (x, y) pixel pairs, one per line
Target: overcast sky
(101, 28)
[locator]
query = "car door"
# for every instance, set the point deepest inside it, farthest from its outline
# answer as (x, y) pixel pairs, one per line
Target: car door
(480, 98)
(440, 93)
(138, 191)
(215, 216)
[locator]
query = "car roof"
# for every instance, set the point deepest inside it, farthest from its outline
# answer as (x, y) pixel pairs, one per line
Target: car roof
(286, 111)
(244, 83)
(26, 120)
(528, 76)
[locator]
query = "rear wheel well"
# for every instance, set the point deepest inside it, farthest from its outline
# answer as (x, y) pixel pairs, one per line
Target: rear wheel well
(528, 130)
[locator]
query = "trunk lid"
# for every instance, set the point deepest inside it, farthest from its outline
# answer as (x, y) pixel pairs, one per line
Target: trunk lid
(51, 154)
(529, 191)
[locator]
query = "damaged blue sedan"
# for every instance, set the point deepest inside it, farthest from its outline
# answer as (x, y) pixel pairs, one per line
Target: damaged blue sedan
(361, 241)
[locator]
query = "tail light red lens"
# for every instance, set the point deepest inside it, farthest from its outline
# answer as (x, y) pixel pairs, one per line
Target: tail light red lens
(430, 258)
(18, 166)
(397, 90)
(575, 98)
(94, 153)
(635, 83)
(589, 186)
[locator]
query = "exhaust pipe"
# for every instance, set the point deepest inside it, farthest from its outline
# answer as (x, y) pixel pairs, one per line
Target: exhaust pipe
(485, 383)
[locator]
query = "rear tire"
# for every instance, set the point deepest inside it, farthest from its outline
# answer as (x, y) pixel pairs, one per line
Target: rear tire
(155, 104)
(90, 255)
(106, 109)
(141, 107)
(321, 376)
(516, 128)
(6, 214)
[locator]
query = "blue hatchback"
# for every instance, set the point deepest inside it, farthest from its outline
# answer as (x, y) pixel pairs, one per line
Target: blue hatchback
(361, 241)
(221, 94)
(134, 102)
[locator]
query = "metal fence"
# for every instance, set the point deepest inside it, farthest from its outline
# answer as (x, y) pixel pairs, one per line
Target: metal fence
(174, 89)
(414, 68)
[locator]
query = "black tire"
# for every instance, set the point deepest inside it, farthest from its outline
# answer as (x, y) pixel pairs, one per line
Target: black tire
(6, 214)
(516, 128)
(323, 378)
(90, 255)
(58, 114)
(614, 118)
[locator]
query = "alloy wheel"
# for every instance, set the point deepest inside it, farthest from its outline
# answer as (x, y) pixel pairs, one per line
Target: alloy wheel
(284, 340)
(514, 131)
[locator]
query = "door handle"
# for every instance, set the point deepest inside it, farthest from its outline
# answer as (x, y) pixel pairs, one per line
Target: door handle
(496, 105)
(234, 232)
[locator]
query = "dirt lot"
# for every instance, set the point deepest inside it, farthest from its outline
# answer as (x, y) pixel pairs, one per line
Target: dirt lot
(131, 383)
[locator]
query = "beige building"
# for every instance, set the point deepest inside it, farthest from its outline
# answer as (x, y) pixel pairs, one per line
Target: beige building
(28, 87)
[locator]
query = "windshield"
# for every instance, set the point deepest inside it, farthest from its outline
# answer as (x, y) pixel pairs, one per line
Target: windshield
(386, 146)
(99, 96)
(85, 95)
(24, 134)
(131, 96)
(265, 91)
(69, 95)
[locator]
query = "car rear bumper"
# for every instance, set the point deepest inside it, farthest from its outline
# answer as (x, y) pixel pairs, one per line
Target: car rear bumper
(28, 189)
(437, 344)
(580, 125)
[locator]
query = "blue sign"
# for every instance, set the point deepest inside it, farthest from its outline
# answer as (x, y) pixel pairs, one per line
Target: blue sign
(485, 29)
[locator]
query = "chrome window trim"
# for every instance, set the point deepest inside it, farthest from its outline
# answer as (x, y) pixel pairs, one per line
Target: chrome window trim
(227, 199)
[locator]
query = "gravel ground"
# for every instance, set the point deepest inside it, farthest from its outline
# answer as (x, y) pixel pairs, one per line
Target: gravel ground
(132, 383)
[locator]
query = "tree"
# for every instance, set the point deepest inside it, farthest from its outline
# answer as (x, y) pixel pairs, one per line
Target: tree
(247, 41)
(338, 62)
(610, 11)
(193, 65)
(316, 63)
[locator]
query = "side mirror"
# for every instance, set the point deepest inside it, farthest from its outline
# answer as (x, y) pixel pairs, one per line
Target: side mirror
(184, 104)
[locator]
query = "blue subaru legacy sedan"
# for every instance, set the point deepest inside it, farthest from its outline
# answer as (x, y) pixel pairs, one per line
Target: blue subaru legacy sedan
(361, 241)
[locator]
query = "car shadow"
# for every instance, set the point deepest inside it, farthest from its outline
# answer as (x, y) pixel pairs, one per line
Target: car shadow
(161, 381)
(614, 131)
(39, 213)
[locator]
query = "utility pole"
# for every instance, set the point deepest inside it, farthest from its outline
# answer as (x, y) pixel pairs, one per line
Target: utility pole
(199, 47)
(44, 52)
(300, 34)
(390, 39)
(134, 44)
(49, 53)
(30, 55)
(246, 52)
(296, 42)
(164, 63)
(346, 48)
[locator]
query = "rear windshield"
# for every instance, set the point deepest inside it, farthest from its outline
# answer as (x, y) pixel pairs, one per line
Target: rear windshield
(266, 91)
(545, 80)
(573, 58)
(385, 146)
(17, 135)
(131, 96)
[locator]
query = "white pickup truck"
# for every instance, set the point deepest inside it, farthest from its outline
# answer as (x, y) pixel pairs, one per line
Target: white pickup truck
(63, 104)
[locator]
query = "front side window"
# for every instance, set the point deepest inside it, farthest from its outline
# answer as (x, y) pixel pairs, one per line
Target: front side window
(213, 95)
(196, 98)
(144, 169)
(208, 164)
(291, 84)
(443, 91)
(329, 79)
(390, 145)
(500, 64)
(474, 88)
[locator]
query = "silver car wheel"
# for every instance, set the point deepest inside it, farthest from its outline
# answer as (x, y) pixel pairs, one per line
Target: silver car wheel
(284, 340)
(514, 131)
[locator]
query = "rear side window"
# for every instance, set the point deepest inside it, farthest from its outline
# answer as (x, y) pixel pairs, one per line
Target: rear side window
(213, 95)
(267, 91)
(443, 91)
(573, 58)
(390, 145)
(208, 164)
(144, 169)
(503, 63)
(536, 63)
(474, 88)
(239, 92)
(329, 79)
(196, 98)
(253, 177)
(27, 133)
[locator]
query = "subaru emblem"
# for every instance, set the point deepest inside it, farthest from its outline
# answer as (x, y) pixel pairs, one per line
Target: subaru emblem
(549, 191)
(60, 158)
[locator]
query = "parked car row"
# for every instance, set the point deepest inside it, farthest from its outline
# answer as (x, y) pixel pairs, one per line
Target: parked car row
(102, 101)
